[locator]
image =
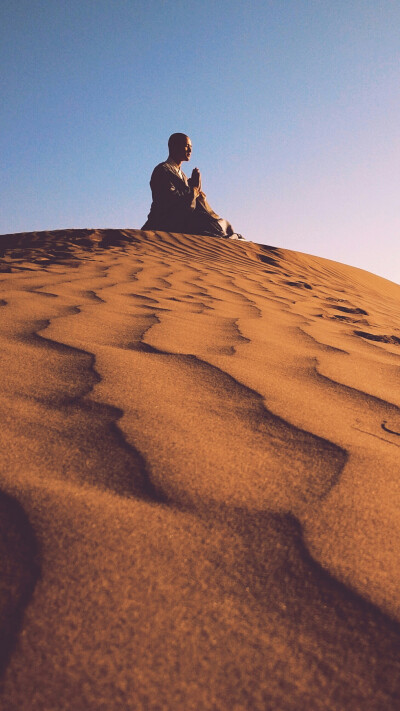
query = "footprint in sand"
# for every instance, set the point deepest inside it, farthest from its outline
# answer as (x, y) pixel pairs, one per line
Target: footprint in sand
(393, 340)
(298, 284)
(351, 310)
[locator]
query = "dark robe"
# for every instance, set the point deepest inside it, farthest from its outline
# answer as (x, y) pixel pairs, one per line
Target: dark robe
(175, 208)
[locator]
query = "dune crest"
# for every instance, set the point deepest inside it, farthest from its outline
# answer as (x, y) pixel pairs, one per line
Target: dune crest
(201, 438)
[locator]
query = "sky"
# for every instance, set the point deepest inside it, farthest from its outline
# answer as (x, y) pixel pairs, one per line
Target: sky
(292, 106)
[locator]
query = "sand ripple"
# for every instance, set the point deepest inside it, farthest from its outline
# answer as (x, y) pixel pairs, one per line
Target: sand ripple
(200, 481)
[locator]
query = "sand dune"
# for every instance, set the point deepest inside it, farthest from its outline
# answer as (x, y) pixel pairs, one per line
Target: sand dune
(200, 482)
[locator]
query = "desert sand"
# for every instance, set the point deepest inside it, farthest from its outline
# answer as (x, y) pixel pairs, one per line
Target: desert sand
(200, 477)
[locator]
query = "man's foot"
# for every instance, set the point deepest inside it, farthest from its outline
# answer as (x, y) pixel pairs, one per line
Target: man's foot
(236, 235)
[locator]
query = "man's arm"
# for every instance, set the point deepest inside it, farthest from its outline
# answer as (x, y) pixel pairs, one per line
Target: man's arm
(171, 191)
(195, 182)
(195, 179)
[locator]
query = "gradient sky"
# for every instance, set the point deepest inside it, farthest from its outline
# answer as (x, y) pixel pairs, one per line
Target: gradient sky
(293, 108)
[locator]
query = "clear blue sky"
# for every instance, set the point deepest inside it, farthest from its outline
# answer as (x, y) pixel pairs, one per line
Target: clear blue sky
(293, 108)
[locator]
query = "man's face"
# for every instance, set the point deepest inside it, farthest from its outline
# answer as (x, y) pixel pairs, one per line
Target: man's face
(185, 149)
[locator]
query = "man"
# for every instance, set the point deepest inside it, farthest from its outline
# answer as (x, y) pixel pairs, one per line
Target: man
(179, 204)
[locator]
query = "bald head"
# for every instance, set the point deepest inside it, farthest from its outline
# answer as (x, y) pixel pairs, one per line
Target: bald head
(177, 139)
(180, 147)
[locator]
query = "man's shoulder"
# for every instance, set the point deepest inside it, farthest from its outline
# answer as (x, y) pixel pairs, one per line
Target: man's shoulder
(166, 167)
(162, 168)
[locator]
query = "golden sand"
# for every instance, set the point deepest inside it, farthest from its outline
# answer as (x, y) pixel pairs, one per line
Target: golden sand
(200, 477)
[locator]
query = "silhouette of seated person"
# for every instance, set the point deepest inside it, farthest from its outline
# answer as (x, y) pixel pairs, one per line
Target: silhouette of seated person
(179, 204)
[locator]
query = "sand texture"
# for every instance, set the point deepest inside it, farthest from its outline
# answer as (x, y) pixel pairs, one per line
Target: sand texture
(200, 479)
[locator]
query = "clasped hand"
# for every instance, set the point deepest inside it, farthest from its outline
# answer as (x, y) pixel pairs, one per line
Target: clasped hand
(196, 179)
